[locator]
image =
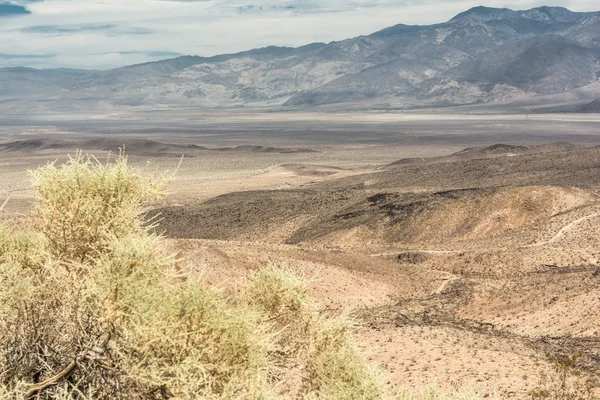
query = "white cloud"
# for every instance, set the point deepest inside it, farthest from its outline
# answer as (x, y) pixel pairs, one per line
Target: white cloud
(111, 33)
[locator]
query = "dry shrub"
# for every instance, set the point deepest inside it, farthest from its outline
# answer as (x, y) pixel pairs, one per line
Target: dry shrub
(335, 369)
(23, 247)
(192, 342)
(49, 320)
(57, 288)
(280, 293)
(327, 365)
(83, 204)
(565, 381)
(92, 307)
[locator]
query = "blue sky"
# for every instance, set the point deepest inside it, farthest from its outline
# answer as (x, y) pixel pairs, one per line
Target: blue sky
(103, 34)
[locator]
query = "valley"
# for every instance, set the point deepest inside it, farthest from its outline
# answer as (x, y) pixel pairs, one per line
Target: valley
(464, 246)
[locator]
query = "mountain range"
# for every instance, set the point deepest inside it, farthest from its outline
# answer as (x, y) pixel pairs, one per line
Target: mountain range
(483, 55)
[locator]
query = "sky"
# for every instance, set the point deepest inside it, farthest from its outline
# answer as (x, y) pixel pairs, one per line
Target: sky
(105, 34)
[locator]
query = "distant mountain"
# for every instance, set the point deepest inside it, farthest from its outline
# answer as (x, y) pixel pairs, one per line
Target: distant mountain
(537, 65)
(593, 107)
(481, 55)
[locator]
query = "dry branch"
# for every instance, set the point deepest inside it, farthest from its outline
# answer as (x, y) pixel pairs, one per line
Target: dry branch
(52, 381)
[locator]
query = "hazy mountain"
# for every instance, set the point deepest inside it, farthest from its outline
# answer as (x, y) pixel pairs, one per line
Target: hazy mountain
(538, 65)
(481, 55)
(593, 107)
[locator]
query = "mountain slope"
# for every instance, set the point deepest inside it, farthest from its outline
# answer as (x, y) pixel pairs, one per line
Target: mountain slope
(537, 65)
(593, 107)
(481, 55)
(548, 63)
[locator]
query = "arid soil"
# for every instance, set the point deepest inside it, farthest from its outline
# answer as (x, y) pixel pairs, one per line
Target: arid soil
(470, 267)
(469, 272)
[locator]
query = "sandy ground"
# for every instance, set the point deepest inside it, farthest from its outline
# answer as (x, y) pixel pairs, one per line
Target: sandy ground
(463, 271)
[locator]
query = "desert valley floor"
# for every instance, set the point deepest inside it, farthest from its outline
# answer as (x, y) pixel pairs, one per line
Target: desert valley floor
(466, 246)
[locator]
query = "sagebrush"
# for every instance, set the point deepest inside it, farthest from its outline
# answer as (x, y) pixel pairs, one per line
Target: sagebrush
(92, 307)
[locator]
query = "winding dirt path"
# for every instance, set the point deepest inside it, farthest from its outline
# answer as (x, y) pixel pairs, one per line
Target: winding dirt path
(564, 230)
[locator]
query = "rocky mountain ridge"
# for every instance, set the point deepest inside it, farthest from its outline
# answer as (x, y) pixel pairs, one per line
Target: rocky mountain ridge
(481, 55)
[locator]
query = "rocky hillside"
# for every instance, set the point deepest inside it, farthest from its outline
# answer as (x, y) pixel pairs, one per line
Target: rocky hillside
(481, 55)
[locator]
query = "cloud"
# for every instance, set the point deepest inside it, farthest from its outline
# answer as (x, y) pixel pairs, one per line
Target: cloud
(58, 29)
(67, 30)
(161, 54)
(102, 34)
(11, 10)
(27, 60)
(25, 56)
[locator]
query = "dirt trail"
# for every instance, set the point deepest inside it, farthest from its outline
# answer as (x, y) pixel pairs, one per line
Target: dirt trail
(565, 229)
(445, 284)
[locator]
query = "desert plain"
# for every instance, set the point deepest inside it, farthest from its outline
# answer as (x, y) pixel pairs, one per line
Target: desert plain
(464, 245)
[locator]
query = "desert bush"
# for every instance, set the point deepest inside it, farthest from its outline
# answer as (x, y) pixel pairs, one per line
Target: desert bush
(191, 342)
(92, 306)
(335, 369)
(280, 293)
(55, 308)
(49, 320)
(23, 247)
(327, 364)
(281, 296)
(81, 205)
(564, 382)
